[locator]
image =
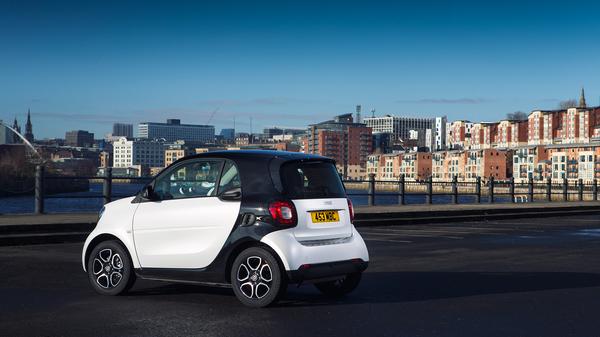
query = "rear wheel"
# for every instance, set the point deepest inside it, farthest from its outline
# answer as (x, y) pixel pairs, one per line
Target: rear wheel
(256, 278)
(110, 270)
(340, 287)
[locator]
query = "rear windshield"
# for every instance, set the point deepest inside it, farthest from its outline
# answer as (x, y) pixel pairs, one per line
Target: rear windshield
(304, 180)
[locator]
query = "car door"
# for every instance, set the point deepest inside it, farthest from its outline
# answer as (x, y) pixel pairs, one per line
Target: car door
(185, 223)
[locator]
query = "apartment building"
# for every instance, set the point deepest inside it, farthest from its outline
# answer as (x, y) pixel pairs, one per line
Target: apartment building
(438, 169)
(477, 136)
(544, 126)
(531, 161)
(487, 163)
(518, 134)
(455, 165)
(348, 143)
(385, 167)
(575, 161)
(416, 165)
(458, 134)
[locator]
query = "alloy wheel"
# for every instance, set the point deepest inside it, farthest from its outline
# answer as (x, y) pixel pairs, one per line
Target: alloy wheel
(255, 277)
(107, 268)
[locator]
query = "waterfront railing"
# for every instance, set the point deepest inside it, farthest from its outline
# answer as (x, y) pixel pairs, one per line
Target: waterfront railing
(427, 191)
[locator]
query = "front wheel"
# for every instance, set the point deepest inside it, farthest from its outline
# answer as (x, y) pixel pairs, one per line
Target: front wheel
(256, 278)
(109, 268)
(340, 287)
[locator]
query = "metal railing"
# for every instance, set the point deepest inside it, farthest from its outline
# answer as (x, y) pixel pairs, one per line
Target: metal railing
(402, 188)
(492, 190)
(107, 180)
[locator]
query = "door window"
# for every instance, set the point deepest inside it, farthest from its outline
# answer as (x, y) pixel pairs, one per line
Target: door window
(192, 179)
(230, 178)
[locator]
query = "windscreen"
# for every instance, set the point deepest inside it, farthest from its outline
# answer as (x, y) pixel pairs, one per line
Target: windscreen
(311, 180)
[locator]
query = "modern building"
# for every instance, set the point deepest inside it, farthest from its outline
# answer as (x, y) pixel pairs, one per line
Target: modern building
(438, 134)
(399, 127)
(122, 130)
(347, 142)
(173, 130)
(228, 134)
(79, 138)
(145, 152)
(382, 143)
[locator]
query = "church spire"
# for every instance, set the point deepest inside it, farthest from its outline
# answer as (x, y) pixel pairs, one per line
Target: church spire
(582, 99)
(29, 128)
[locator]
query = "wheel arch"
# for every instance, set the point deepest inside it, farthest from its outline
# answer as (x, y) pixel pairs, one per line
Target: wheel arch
(99, 239)
(249, 244)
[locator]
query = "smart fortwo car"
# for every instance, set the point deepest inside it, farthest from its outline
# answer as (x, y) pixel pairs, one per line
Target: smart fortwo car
(255, 220)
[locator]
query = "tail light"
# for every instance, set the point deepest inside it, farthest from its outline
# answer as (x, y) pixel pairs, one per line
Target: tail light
(350, 210)
(283, 213)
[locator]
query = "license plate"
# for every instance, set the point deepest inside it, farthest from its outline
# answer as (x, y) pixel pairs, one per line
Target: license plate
(325, 216)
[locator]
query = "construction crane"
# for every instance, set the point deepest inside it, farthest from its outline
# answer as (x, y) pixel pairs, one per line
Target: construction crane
(212, 115)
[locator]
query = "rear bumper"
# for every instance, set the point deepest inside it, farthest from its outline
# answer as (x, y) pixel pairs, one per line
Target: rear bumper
(324, 270)
(294, 254)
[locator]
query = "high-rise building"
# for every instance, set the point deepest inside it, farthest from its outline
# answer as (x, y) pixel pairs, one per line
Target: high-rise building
(79, 138)
(348, 143)
(173, 130)
(29, 128)
(145, 152)
(122, 130)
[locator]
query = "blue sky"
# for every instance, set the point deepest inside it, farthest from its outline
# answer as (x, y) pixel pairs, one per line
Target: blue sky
(85, 65)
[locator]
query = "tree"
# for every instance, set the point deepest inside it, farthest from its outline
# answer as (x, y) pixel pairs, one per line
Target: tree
(516, 116)
(570, 103)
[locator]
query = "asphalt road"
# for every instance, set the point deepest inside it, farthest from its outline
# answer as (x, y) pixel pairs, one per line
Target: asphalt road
(529, 277)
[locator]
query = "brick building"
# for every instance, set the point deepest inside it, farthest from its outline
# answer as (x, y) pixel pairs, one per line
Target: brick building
(346, 142)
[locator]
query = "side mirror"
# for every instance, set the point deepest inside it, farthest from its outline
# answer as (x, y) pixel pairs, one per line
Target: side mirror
(148, 193)
(231, 195)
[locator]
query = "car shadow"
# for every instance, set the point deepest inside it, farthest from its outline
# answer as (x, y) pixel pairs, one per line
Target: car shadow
(151, 289)
(393, 287)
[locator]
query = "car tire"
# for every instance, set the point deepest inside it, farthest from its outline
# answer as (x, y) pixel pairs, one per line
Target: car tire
(257, 278)
(110, 269)
(340, 287)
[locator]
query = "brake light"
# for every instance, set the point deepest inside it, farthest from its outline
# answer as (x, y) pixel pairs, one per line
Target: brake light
(283, 213)
(350, 210)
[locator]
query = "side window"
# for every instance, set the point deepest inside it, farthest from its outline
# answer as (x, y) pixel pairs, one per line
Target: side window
(230, 178)
(192, 179)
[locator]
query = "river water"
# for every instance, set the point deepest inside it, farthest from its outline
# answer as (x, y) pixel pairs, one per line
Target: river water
(77, 202)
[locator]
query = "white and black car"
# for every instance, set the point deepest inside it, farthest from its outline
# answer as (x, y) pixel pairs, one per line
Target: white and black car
(255, 220)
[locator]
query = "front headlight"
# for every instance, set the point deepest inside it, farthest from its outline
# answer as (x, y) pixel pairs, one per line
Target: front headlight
(101, 212)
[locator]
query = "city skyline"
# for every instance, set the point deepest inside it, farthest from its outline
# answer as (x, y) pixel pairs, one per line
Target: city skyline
(288, 64)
